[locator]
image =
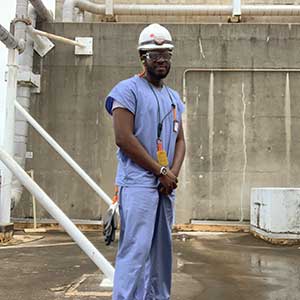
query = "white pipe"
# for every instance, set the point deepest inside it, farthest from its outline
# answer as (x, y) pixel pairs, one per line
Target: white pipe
(101, 262)
(56, 37)
(236, 7)
(25, 62)
(7, 115)
(184, 95)
(9, 40)
(41, 10)
(21, 13)
(172, 10)
(36, 38)
(65, 155)
(144, 9)
(178, 10)
(109, 7)
(69, 6)
(11, 186)
(271, 10)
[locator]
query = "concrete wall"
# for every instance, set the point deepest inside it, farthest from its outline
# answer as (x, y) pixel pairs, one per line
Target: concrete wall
(241, 127)
(181, 19)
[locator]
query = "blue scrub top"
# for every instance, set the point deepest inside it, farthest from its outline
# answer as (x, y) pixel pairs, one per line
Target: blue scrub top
(136, 95)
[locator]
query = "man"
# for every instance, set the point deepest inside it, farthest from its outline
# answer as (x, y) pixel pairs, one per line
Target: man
(149, 134)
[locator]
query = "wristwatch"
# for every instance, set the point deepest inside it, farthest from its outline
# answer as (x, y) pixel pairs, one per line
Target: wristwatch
(163, 171)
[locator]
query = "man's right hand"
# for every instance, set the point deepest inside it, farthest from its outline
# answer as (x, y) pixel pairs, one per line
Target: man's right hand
(168, 182)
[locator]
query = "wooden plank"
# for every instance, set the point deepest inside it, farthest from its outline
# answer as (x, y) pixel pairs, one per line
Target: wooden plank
(89, 227)
(56, 227)
(211, 227)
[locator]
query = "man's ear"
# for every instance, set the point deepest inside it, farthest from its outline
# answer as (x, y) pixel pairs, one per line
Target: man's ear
(142, 56)
(143, 59)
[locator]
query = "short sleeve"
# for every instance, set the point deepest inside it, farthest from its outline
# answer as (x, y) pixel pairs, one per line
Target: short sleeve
(179, 103)
(116, 104)
(124, 94)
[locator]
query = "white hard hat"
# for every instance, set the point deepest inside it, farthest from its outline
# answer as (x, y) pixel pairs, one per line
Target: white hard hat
(155, 36)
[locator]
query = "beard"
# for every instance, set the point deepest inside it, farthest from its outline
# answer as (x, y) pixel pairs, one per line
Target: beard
(159, 71)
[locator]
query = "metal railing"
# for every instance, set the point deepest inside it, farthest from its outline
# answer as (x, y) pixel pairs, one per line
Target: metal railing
(64, 154)
(9, 166)
(92, 252)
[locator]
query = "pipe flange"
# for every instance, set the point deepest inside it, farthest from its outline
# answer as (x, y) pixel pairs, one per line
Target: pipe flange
(27, 21)
(235, 19)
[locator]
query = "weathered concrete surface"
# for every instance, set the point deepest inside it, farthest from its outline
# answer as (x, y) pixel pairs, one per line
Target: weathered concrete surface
(208, 266)
(241, 127)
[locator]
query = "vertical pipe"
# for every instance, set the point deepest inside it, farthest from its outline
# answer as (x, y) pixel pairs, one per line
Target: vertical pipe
(68, 9)
(210, 116)
(236, 7)
(109, 9)
(287, 113)
(25, 63)
(21, 12)
(7, 136)
(245, 153)
(184, 183)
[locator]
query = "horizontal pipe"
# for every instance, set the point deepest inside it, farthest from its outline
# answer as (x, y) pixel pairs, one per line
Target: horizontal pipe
(172, 10)
(240, 70)
(270, 10)
(42, 10)
(91, 251)
(226, 70)
(65, 155)
(57, 38)
(178, 10)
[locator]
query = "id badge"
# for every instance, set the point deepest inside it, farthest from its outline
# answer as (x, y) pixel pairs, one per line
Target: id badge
(175, 126)
(162, 158)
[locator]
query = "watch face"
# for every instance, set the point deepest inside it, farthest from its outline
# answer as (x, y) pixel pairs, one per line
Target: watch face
(164, 171)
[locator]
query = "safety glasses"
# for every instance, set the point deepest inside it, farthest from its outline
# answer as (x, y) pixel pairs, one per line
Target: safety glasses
(155, 56)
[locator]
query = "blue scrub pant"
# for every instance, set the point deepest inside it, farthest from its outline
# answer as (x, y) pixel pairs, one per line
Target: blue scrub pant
(144, 260)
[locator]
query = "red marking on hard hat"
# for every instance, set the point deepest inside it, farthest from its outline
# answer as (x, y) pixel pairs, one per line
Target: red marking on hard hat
(152, 35)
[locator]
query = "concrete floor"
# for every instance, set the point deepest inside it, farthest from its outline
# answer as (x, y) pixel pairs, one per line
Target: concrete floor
(208, 266)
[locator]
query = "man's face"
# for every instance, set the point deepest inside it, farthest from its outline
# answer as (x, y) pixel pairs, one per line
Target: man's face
(157, 63)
